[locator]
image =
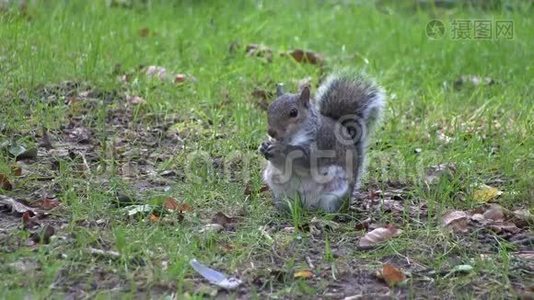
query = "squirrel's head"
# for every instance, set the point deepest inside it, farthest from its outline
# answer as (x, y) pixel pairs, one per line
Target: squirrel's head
(287, 113)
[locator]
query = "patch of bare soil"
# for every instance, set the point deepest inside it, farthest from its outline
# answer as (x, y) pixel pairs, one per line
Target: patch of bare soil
(103, 135)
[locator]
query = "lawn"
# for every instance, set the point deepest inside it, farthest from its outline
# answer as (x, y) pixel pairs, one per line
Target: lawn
(129, 128)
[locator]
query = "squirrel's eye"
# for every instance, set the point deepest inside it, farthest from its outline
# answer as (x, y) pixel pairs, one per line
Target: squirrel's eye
(293, 113)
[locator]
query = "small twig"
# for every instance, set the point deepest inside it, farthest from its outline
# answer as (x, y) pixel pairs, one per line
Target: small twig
(273, 248)
(264, 233)
(88, 169)
(101, 252)
(333, 269)
(310, 263)
(408, 259)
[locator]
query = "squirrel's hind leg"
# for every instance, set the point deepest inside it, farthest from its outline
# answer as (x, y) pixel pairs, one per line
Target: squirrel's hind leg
(335, 191)
(281, 185)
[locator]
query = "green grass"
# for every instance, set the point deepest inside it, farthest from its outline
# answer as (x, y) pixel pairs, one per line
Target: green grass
(490, 130)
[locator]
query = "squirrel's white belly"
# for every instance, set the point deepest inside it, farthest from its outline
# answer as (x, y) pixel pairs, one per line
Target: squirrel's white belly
(326, 189)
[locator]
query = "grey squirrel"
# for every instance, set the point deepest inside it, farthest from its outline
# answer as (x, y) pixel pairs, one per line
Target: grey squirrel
(316, 150)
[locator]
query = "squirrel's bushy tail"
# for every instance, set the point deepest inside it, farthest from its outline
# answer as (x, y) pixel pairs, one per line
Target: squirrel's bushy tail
(356, 104)
(353, 100)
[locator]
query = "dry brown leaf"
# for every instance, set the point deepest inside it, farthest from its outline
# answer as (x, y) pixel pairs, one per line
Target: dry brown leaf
(378, 235)
(15, 205)
(185, 207)
(303, 274)
(153, 218)
(486, 193)
(26, 217)
(304, 56)
(528, 255)
(495, 213)
(46, 203)
(222, 219)
(522, 217)
(28, 221)
(478, 217)
(392, 275)
(178, 78)
(4, 183)
(16, 170)
(456, 220)
(363, 225)
(172, 205)
(499, 227)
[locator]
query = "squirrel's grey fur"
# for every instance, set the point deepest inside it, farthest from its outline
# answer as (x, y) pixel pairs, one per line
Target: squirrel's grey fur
(317, 151)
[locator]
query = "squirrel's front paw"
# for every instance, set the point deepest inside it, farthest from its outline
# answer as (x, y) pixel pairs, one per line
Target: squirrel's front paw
(264, 149)
(271, 149)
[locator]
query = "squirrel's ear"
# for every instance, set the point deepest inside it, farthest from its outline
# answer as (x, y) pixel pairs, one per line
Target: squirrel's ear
(279, 90)
(305, 95)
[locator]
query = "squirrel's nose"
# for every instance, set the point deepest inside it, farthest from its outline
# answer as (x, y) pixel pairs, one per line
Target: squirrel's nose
(272, 133)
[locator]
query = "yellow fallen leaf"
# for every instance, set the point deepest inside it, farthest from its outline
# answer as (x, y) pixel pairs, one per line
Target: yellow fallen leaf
(303, 274)
(486, 193)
